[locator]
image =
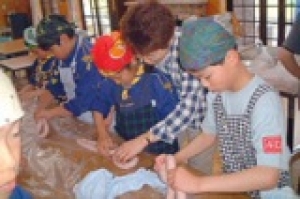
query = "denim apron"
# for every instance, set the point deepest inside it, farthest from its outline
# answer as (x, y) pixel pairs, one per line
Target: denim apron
(235, 137)
(136, 118)
(67, 79)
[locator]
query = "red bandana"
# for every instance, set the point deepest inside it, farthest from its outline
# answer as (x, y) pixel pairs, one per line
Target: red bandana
(110, 54)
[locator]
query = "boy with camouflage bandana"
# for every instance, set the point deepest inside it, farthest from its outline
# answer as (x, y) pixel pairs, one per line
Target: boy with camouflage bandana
(78, 74)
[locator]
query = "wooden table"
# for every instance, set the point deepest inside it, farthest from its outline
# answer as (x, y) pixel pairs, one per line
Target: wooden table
(94, 161)
(4, 31)
(11, 48)
(17, 64)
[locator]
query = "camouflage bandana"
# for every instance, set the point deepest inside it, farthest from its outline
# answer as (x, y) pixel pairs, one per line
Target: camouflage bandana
(50, 28)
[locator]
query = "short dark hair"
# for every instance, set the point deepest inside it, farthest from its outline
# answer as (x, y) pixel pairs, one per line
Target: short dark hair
(148, 26)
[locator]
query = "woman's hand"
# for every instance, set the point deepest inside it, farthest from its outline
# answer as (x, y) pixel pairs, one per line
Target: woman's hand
(160, 162)
(130, 149)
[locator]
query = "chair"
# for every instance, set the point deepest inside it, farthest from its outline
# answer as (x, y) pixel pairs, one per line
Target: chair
(295, 169)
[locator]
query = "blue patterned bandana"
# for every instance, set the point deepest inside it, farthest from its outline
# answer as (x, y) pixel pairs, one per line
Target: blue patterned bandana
(203, 42)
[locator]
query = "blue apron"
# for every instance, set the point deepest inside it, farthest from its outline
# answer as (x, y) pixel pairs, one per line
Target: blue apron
(134, 118)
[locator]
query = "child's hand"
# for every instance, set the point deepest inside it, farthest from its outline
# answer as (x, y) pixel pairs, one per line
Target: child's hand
(160, 166)
(160, 162)
(105, 145)
(42, 114)
(130, 149)
(182, 180)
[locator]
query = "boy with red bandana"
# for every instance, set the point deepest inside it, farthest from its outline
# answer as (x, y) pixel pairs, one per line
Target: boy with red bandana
(141, 97)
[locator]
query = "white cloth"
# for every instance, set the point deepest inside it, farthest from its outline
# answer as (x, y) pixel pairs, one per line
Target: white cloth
(9, 101)
(103, 184)
(279, 193)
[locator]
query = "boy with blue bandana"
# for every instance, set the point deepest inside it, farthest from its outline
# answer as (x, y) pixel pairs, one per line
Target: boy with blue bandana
(244, 116)
(78, 74)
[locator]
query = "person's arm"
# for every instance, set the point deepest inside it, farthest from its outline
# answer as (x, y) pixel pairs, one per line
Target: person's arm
(31, 79)
(32, 94)
(26, 89)
(191, 108)
(58, 111)
(289, 62)
(196, 146)
(291, 47)
(45, 99)
(105, 142)
(256, 178)
(102, 113)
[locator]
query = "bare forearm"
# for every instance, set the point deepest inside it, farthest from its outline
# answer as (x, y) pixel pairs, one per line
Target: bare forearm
(26, 88)
(100, 125)
(257, 178)
(288, 60)
(60, 111)
(45, 99)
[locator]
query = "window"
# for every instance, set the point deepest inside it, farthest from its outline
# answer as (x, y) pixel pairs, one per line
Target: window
(96, 17)
(262, 20)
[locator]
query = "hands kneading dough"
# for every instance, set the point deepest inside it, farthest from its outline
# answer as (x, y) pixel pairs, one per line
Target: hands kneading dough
(127, 165)
(170, 164)
(92, 146)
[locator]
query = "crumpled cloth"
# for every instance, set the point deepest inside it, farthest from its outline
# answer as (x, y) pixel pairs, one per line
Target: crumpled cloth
(280, 193)
(103, 184)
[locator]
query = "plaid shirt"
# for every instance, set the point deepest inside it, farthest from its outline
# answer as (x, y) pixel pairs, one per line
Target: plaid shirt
(191, 108)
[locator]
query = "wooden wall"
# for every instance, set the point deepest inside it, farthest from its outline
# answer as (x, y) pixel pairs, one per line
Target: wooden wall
(215, 7)
(11, 6)
(63, 7)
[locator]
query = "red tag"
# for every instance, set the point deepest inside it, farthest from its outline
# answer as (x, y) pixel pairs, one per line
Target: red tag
(272, 144)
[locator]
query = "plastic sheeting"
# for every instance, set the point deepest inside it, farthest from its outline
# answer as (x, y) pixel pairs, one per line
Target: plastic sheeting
(53, 165)
(49, 171)
(263, 61)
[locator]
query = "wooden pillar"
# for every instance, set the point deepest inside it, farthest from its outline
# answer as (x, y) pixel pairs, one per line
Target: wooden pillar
(75, 13)
(116, 10)
(36, 11)
(216, 7)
